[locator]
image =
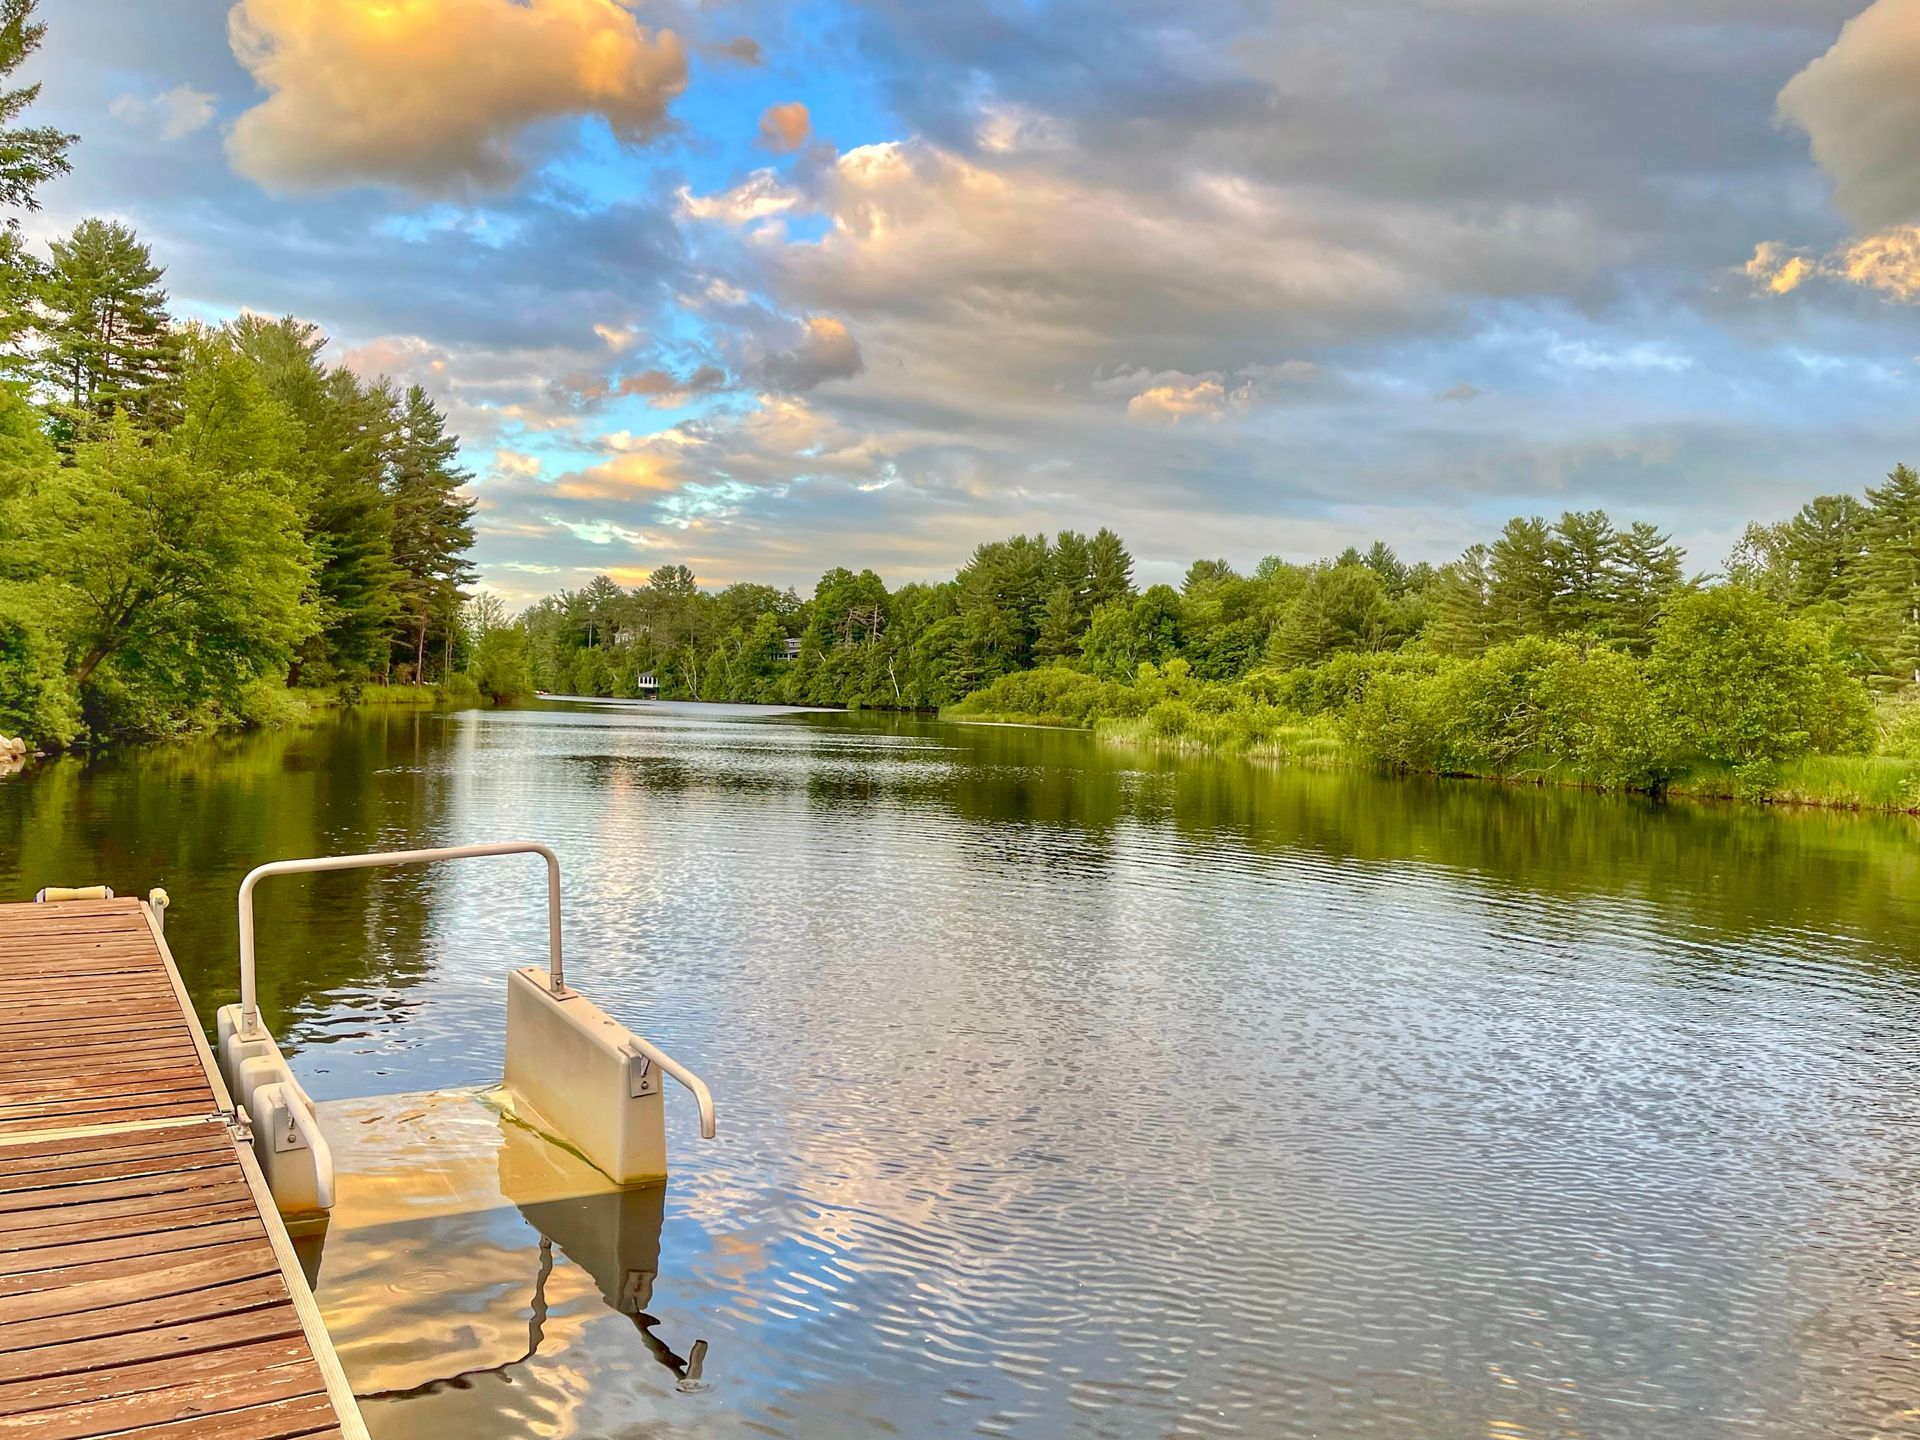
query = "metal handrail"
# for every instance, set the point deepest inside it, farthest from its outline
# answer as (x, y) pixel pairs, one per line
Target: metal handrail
(702, 1096)
(249, 997)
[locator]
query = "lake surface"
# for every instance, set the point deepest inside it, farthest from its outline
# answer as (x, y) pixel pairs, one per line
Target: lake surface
(1064, 1091)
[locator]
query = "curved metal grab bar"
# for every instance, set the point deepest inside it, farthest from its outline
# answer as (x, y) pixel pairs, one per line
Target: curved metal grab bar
(702, 1096)
(249, 997)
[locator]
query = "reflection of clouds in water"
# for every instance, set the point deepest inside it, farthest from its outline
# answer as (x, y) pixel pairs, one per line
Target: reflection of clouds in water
(1064, 1090)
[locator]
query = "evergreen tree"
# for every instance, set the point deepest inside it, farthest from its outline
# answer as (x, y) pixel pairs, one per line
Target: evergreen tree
(109, 347)
(1648, 569)
(1343, 607)
(1890, 582)
(1462, 597)
(1383, 562)
(1521, 582)
(1582, 555)
(1109, 570)
(1059, 635)
(29, 157)
(1003, 590)
(1071, 565)
(1824, 544)
(345, 431)
(432, 524)
(599, 603)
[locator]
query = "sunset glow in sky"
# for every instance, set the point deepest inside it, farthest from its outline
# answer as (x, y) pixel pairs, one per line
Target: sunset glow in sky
(761, 288)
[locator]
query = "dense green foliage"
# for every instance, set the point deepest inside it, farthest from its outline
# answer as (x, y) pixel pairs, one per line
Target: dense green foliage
(1572, 650)
(1735, 696)
(192, 519)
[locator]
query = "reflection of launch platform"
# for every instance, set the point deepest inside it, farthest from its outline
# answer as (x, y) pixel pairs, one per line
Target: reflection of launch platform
(469, 1251)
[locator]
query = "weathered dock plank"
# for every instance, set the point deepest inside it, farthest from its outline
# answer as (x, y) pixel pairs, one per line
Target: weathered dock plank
(147, 1285)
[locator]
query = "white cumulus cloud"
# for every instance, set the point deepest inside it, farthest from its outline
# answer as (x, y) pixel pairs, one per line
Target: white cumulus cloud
(172, 114)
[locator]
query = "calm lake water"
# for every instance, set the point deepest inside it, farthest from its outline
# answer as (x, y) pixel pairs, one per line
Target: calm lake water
(1070, 1092)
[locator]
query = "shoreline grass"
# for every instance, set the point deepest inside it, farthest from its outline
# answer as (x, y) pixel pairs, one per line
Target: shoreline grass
(1863, 784)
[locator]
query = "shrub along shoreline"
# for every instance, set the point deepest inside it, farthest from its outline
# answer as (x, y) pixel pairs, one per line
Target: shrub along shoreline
(1735, 699)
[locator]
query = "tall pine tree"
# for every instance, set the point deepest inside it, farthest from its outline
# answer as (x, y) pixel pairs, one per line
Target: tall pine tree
(1890, 581)
(109, 348)
(30, 155)
(346, 431)
(432, 525)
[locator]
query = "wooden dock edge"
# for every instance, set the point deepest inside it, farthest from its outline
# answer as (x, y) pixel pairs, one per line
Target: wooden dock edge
(215, 1082)
(339, 1391)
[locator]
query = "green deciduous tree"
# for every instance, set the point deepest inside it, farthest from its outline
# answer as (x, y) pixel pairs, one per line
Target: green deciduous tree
(341, 433)
(178, 583)
(1742, 681)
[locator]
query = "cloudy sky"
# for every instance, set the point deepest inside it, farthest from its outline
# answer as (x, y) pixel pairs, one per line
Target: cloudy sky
(766, 287)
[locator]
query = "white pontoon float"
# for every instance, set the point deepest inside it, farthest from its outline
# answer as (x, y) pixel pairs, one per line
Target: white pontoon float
(571, 1068)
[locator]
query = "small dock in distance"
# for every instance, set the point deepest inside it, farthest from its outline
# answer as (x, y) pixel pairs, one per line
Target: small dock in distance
(147, 1284)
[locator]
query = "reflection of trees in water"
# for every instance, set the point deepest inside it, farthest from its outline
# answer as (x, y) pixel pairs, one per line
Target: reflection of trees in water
(196, 816)
(1738, 870)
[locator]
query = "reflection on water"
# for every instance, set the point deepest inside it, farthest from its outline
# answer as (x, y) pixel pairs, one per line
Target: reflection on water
(479, 1278)
(1068, 1092)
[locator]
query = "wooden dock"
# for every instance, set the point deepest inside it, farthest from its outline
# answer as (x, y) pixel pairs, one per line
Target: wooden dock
(147, 1286)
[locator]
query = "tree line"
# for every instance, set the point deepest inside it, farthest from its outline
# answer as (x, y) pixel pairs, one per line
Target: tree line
(1844, 575)
(194, 517)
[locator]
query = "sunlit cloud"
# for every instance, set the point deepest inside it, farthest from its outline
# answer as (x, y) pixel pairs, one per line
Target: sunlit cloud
(512, 465)
(1169, 404)
(785, 128)
(659, 388)
(622, 478)
(436, 95)
(1888, 263)
(1860, 106)
(760, 197)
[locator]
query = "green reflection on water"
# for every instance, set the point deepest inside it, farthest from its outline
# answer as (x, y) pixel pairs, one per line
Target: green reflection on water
(195, 816)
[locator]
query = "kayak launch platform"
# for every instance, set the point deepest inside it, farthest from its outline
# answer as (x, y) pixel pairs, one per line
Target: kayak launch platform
(148, 1280)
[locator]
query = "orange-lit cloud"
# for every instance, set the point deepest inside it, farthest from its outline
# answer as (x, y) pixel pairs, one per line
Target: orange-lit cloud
(659, 388)
(1888, 262)
(434, 95)
(784, 128)
(1170, 403)
(621, 478)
